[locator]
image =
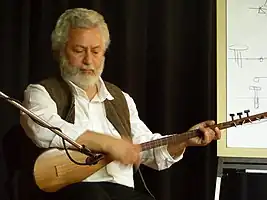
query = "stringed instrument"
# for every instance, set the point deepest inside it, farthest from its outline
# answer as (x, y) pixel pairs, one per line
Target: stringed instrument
(54, 170)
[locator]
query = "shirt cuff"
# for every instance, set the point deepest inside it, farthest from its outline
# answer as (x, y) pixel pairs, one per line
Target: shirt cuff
(170, 159)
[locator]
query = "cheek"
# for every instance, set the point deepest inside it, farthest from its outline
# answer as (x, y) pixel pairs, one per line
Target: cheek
(75, 60)
(97, 62)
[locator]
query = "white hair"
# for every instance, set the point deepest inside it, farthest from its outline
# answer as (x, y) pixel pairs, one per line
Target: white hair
(77, 18)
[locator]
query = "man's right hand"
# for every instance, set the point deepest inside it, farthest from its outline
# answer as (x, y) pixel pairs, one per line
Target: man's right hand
(117, 149)
(123, 151)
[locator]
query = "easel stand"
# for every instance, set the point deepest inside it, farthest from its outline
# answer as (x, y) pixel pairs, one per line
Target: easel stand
(248, 165)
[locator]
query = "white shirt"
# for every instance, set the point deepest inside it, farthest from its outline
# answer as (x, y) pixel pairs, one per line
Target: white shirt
(90, 115)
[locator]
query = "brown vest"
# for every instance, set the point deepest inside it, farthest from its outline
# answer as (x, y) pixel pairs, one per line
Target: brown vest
(116, 110)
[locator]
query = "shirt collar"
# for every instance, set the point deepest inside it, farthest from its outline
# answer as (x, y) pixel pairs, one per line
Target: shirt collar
(101, 96)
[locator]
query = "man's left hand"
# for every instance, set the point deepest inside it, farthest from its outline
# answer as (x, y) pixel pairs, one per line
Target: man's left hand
(208, 135)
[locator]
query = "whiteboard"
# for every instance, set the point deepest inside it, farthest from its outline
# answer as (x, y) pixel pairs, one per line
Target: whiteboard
(242, 75)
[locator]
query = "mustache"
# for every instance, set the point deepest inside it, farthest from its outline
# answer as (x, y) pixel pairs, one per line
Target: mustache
(88, 67)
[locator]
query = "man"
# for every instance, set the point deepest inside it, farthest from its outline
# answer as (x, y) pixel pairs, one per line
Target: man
(96, 113)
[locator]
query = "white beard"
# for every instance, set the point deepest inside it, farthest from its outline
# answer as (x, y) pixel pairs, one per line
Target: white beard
(75, 75)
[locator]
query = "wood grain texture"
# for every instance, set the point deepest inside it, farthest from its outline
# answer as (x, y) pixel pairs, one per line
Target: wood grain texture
(53, 169)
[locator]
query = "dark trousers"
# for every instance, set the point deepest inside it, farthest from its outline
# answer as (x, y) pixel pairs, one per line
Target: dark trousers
(99, 191)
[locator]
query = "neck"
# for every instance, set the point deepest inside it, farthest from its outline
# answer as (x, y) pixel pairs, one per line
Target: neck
(91, 91)
(179, 138)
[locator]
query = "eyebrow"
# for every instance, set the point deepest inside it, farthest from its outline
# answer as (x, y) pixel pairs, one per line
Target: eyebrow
(95, 47)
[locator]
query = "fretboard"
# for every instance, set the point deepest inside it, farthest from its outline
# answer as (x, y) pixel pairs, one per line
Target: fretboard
(175, 138)
(178, 138)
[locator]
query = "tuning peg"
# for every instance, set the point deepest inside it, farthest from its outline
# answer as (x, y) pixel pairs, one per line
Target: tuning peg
(232, 116)
(247, 111)
(239, 114)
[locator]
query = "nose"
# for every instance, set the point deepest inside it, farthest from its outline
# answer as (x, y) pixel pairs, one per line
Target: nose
(87, 60)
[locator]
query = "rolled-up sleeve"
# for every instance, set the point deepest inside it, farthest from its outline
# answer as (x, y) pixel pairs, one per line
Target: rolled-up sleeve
(38, 101)
(157, 158)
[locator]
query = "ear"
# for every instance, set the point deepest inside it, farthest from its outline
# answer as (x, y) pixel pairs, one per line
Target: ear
(60, 53)
(55, 55)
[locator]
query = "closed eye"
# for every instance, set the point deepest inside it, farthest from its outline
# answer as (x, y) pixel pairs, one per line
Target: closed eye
(78, 51)
(95, 52)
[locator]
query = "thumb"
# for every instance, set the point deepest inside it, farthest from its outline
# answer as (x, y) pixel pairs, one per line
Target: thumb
(207, 123)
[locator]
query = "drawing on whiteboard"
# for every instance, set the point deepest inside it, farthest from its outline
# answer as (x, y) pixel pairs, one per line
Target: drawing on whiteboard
(244, 27)
(262, 9)
(238, 57)
(256, 90)
(238, 49)
(256, 79)
(261, 59)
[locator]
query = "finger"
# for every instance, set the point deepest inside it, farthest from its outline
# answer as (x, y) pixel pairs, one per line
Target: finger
(206, 124)
(209, 123)
(135, 158)
(138, 147)
(217, 133)
(205, 135)
(208, 135)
